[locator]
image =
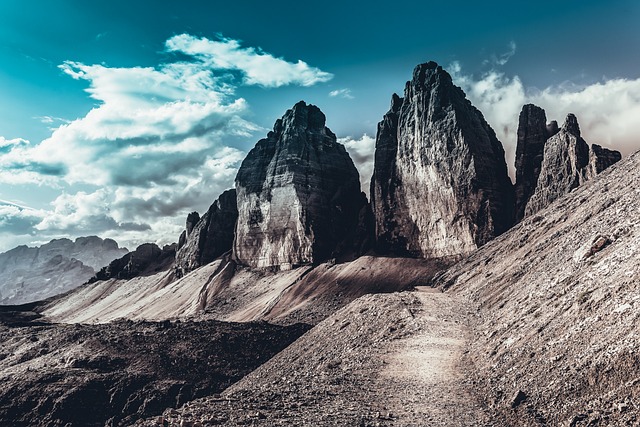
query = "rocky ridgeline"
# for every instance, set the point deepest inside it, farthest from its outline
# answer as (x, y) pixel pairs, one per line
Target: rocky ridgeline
(440, 185)
(550, 162)
(206, 238)
(298, 195)
(439, 188)
(30, 274)
(146, 259)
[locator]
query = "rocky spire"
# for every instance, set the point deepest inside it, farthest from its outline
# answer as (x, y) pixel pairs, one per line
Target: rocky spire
(298, 194)
(533, 132)
(567, 163)
(601, 158)
(206, 238)
(440, 185)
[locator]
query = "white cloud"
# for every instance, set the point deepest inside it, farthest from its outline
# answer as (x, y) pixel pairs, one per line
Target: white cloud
(157, 145)
(502, 59)
(258, 67)
(343, 93)
(7, 145)
(607, 111)
(361, 151)
(49, 120)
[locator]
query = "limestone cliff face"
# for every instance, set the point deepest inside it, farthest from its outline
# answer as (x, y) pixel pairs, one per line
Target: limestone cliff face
(298, 194)
(567, 163)
(208, 237)
(440, 185)
(533, 133)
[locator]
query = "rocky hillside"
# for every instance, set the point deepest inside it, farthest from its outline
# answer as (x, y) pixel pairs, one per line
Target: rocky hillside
(32, 274)
(384, 360)
(536, 328)
(556, 332)
(116, 373)
(536, 324)
(298, 194)
(223, 290)
(440, 185)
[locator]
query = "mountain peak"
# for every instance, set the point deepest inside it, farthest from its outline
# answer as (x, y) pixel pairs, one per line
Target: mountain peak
(437, 150)
(298, 194)
(571, 125)
(306, 116)
(430, 74)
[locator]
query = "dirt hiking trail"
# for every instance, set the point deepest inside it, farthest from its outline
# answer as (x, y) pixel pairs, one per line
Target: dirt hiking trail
(384, 360)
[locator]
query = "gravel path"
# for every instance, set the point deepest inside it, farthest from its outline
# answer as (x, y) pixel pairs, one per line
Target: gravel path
(384, 360)
(422, 382)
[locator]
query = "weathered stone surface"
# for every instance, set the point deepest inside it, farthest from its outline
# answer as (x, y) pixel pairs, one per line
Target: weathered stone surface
(208, 237)
(601, 158)
(567, 163)
(440, 185)
(147, 258)
(30, 274)
(298, 194)
(533, 132)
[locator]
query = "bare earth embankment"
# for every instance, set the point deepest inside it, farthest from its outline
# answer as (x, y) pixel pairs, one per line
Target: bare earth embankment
(384, 360)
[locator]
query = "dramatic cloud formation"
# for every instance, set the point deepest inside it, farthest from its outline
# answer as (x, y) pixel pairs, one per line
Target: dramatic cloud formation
(343, 93)
(158, 144)
(258, 67)
(607, 111)
(361, 151)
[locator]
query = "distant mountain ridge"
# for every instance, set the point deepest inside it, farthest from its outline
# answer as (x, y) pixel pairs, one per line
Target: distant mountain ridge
(33, 273)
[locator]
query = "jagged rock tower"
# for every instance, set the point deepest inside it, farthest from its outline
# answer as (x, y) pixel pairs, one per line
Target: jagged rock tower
(208, 237)
(440, 185)
(533, 133)
(298, 194)
(567, 162)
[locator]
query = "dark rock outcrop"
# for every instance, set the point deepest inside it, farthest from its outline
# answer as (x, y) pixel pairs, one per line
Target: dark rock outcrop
(533, 132)
(206, 238)
(567, 163)
(298, 194)
(440, 185)
(30, 274)
(601, 158)
(146, 259)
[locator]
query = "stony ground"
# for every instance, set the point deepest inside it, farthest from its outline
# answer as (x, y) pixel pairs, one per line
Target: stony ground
(113, 374)
(540, 327)
(556, 338)
(384, 360)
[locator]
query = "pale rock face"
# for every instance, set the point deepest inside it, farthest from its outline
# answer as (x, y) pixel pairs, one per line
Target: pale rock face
(440, 185)
(298, 194)
(567, 163)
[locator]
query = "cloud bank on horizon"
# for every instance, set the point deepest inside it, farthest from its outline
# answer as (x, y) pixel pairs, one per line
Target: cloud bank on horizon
(607, 111)
(156, 142)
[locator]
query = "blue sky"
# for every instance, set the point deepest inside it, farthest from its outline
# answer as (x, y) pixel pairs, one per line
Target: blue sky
(117, 118)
